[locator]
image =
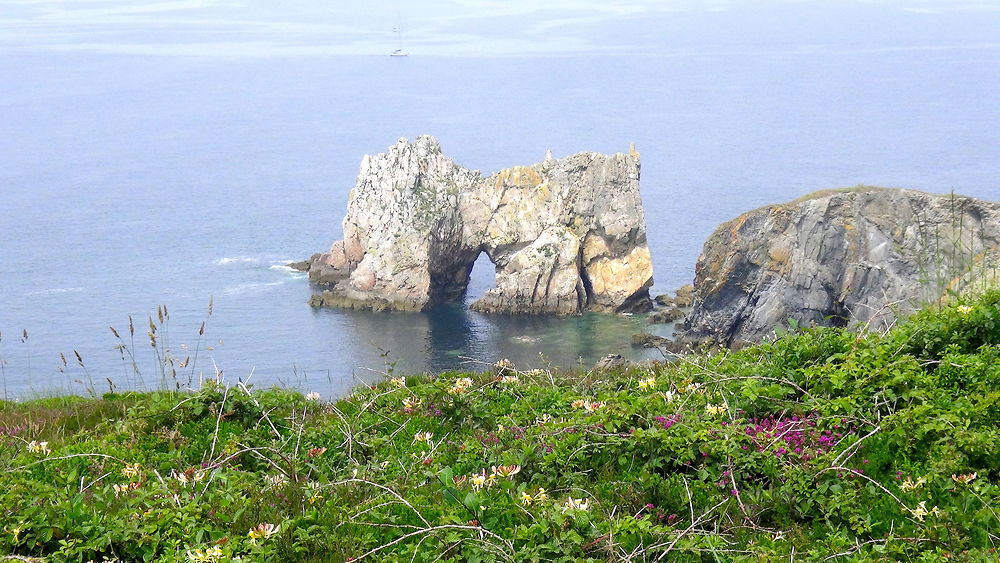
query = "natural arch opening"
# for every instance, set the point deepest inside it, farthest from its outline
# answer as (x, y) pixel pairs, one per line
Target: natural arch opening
(482, 278)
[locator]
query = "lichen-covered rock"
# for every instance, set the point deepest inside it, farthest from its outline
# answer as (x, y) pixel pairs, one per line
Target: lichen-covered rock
(840, 257)
(566, 235)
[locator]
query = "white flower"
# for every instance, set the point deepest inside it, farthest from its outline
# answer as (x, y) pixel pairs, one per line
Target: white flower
(715, 409)
(262, 532)
(647, 383)
(314, 396)
(965, 309)
(509, 379)
(910, 484)
(39, 447)
(423, 436)
(398, 381)
(461, 385)
(131, 469)
(921, 510)
(576, 504)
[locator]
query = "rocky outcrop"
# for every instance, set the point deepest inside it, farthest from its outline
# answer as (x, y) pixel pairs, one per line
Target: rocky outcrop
(841, 257)
(566, 235)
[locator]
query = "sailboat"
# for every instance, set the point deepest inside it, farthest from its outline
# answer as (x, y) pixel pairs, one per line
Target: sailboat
(399, 52)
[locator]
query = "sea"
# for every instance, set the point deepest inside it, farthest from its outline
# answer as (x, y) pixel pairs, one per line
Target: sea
(168, 177)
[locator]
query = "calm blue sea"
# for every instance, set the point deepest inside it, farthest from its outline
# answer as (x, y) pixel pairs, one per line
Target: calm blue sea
(129, 181)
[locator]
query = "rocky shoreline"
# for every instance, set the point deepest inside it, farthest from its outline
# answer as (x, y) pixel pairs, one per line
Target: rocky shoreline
(568, 235)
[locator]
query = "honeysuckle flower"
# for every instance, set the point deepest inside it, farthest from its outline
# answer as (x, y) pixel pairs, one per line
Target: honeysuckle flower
(504, 364)
(398, 381)
(647, 383)
(534, 372)
(39, 447)
(15, 531)
(209, 555)
(131, 469)
(461, 385)
(506, 470)
(576, 504)
(541, 494)
(578, 404)
(964, 479)
(965, 309)
(478, 481)
(509, 379)
(181, 477)
(591, 406)
(315, 452)
(277, 479)
(262, 532)
(909, 484)
(411, 402)
(921, 511)
(526, 499)
(669, 395)
(715, 409)
(423, 436)
(313, 396)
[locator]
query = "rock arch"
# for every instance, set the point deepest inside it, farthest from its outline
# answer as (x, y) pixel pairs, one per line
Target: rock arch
(565, 235)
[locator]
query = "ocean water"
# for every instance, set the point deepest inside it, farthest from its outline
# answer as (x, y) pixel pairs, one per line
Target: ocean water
(133, 180)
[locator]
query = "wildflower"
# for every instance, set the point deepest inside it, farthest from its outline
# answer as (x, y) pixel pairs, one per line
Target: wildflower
(509, 379)
(526, 499)
(262, 532)
(423, 436)
(131, 470)
(181, 477)
(15, 531)
(964, 479)
(398, 381)
(910, 484)
(715, 409)
(315, 452)
(965, 309)
(277, 480)
(461, 385)
(504, 364)
(541, 494)
(546, 417)
(39, 447)
(411, 403)
(315, 492)
(506, 470)
(576, 504)
(647, 383)
(209, 555)
(921, 511)
(478, 481)
(534, 372)
(591, 406)
(314, 396)
(578, 404)
(669, 395)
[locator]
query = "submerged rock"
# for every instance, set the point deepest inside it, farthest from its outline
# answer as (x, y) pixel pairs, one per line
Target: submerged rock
(851, 257)
(667, 315)
(566, 235)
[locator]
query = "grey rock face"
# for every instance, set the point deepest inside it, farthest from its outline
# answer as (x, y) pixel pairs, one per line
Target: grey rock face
(851, 257)
(566, 235)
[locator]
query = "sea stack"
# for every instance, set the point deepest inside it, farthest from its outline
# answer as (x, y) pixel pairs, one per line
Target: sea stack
(565, 235)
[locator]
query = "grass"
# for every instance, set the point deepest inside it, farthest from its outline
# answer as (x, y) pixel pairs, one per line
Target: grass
(824, 445)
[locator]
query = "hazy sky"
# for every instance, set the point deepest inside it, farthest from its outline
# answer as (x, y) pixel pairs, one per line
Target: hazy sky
(491, 27)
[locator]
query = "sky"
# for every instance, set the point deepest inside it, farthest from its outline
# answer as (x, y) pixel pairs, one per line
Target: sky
(265, 28)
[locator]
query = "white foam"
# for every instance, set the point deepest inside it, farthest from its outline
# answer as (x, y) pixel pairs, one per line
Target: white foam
(55, 291)
(249, 288)
(237, 260)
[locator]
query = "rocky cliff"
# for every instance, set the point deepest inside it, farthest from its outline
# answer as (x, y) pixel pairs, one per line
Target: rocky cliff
(839, 257)
(566, 235)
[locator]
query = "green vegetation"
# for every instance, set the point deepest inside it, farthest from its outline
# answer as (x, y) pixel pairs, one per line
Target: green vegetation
(823, 445)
